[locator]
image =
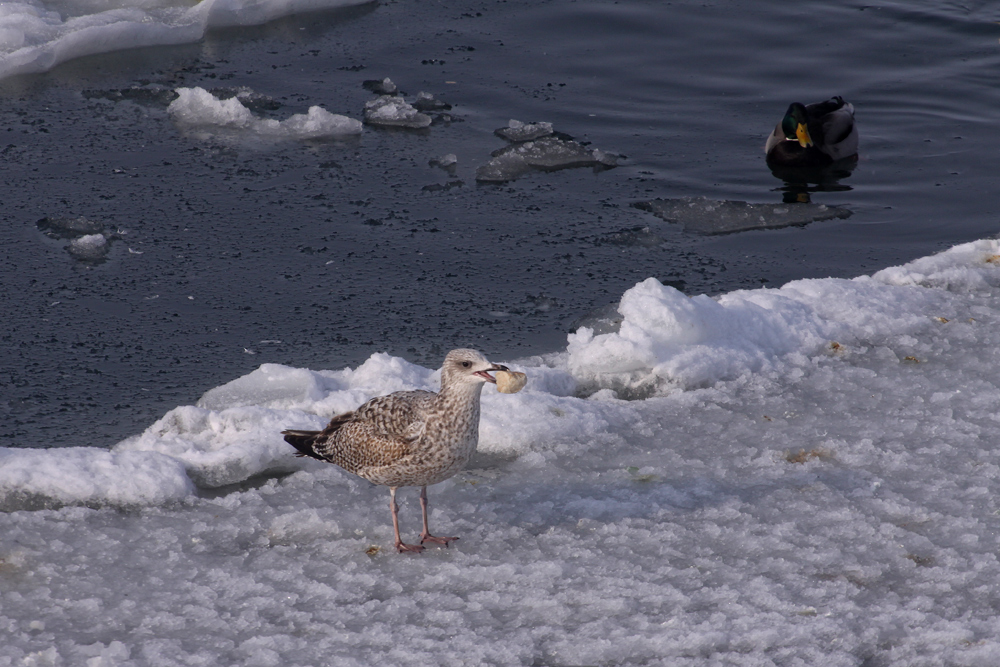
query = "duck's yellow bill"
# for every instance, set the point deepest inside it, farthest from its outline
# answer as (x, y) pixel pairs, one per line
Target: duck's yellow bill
(802, 133)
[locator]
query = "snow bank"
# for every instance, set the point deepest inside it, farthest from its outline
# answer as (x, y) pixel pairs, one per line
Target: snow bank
(964, 268)
(89, 476)
(36, 38)
(669, 339)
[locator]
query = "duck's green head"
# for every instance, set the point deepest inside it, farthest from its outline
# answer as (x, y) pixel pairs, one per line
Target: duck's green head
(795, 126)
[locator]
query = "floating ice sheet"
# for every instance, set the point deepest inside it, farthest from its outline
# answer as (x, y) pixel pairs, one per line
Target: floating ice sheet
(537, 147)
(549, 153)
(35, 37)
(427, 102)
(712, 216)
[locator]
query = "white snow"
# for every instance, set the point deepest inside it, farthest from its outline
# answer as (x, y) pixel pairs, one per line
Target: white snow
(810, 477)
(87, 475)
(198, 109)
(36, 36)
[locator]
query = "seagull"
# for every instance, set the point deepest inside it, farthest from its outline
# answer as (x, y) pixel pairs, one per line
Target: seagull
(408, 438)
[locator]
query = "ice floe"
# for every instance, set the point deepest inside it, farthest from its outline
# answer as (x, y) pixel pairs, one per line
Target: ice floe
(446, 162)
(380, 87)
(35, 36)
(88, 241)
(392, 111)
(199, 111)
(517, 131)
(713, 216)
(427, 102)
(536, 147)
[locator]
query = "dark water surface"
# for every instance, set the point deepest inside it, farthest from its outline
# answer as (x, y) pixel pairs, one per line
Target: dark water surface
(320, 254)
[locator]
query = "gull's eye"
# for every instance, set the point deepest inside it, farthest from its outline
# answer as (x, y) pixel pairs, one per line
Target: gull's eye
(466, 364)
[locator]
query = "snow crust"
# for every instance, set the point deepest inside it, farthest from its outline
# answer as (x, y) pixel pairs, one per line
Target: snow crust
(35, 36)
(87, 475)
(197, 108)
(809, 475)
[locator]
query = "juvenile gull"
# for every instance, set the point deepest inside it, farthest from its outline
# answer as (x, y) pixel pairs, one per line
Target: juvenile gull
(408, 438)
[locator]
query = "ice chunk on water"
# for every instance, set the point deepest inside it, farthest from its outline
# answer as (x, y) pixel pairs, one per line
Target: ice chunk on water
(394, 112)
(383, 87)
(89, 248)
(518, 131)
(88, 242)
(427, 102)
(549, 153)
(198, 108)
(445, 161)
(713, 216)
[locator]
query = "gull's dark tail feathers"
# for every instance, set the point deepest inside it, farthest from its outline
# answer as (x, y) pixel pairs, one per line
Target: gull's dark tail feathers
(303, 441)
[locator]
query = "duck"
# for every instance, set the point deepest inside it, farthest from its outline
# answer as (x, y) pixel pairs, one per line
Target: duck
(814, 135)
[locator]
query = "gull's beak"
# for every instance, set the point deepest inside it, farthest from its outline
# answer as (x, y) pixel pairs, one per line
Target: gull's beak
(486, 375)
(802, 133)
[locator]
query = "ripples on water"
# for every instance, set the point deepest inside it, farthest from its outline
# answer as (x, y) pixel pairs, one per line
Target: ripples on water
(317, 255)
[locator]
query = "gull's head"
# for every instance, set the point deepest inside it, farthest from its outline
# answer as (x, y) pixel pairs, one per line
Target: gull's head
(467, 367)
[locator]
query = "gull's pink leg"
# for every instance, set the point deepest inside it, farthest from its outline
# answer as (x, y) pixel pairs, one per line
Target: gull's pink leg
(426, 535)
(400, 546)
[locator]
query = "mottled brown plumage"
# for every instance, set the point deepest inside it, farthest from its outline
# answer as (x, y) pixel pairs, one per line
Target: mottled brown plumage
(408, 438)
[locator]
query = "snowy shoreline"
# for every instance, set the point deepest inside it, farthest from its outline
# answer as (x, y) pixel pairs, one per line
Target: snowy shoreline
(777, 499)
(667, 342)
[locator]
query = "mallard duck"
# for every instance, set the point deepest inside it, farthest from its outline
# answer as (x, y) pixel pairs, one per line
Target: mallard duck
(814, 135)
